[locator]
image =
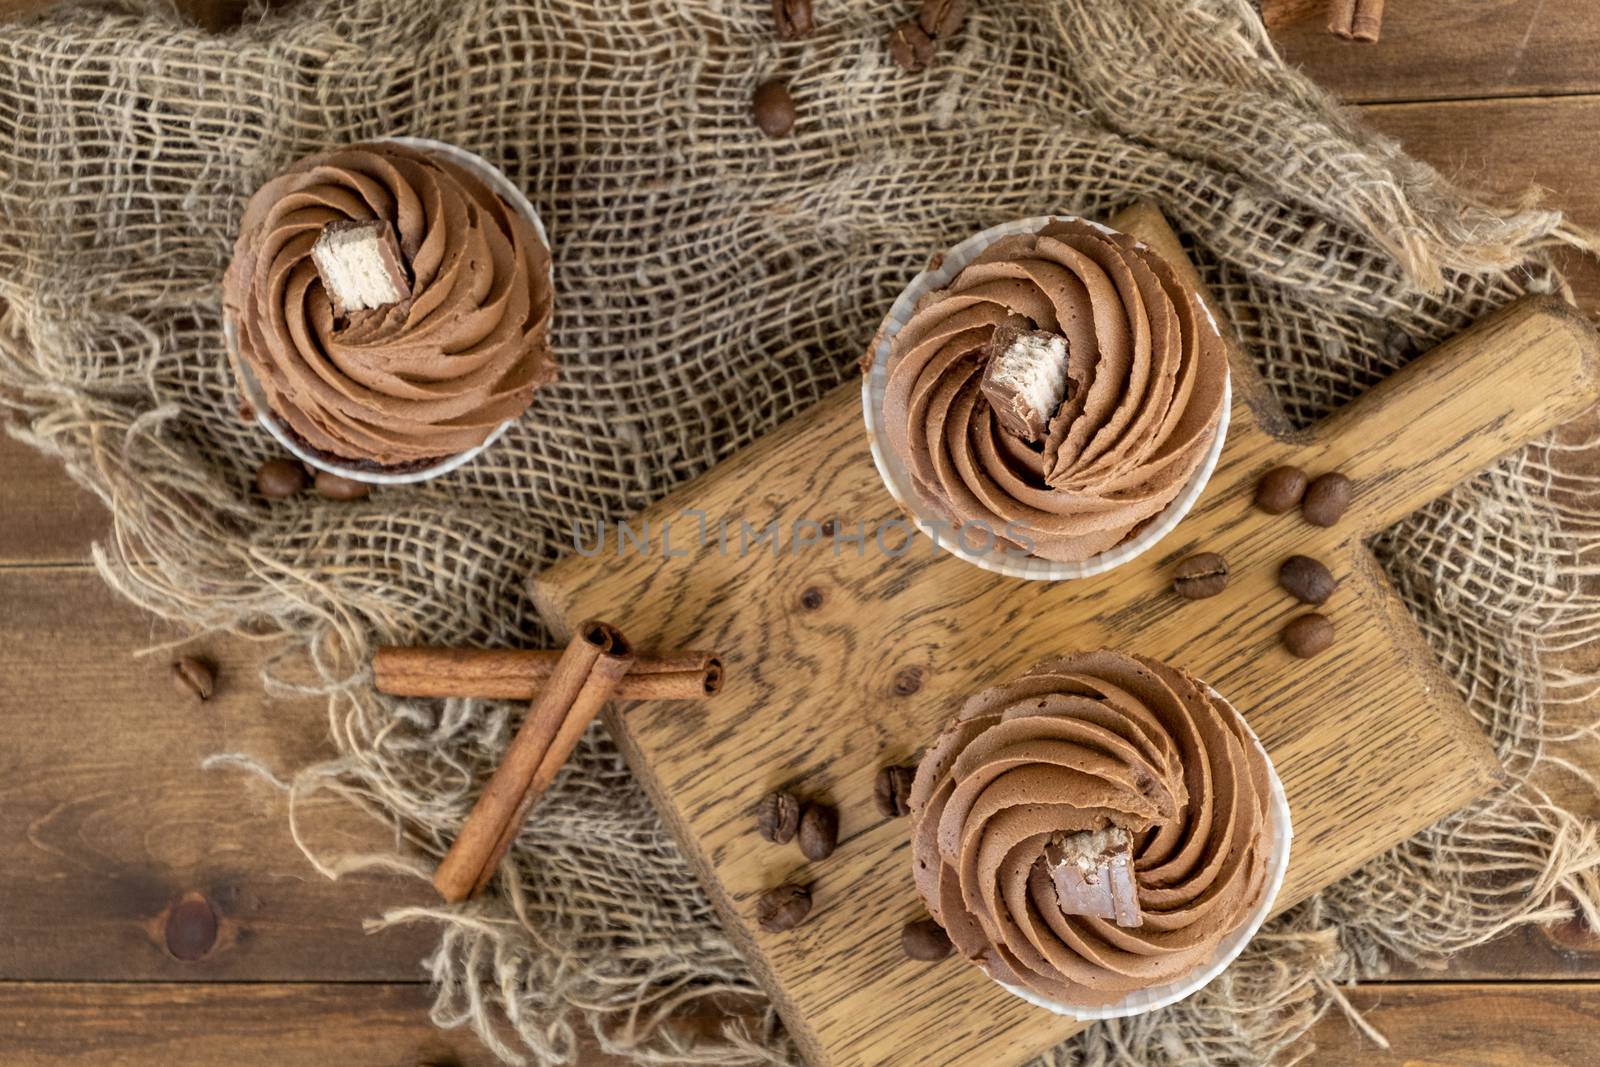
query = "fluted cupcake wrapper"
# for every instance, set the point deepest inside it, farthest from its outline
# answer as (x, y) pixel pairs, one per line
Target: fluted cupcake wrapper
(407, 473)
(897, 478)
(1279, 833)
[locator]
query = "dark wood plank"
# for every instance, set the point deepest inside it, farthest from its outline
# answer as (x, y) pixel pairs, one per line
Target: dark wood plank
(1447, 49)
(1467, 1025)
(1509, 146)
(74, 1024)
(256, 1025)
(106, 817)
(239, 1024)
(47, 518)
(1560, 952)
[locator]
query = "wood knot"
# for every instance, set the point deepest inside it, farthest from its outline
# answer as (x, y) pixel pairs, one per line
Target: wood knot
(189, 928)
(811, 599)
(1573, 935)
(907, 680)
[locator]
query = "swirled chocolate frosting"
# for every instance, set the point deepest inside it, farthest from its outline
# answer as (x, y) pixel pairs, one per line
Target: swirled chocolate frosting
(1143, 391)
(417, 380)
(1087, 742)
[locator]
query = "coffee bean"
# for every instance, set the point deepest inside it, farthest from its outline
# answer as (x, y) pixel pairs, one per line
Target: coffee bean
(1308, 635)
(332, 487)
(792, 19)
(773, 108)
(1201, 575)
(1326, 498)
(783, 908)
(892, 791)
(819, 832)
(910, 47)
(279, 479)
(194, 677)
(778, 818)
(942, 18)
(1306, 580)
(925, 940)
(1280, 489)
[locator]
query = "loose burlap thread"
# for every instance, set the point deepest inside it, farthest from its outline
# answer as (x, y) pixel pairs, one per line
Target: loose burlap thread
(712, 283)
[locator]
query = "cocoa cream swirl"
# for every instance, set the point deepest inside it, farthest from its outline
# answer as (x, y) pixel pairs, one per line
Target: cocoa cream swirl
(1089, 741)
(424, 378)
(1146, 371)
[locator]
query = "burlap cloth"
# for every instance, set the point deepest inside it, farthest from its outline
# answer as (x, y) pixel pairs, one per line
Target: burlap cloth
(711, 283)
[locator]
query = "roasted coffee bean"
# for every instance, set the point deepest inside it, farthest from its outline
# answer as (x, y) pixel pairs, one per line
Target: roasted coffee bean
(819, 831)
(1280, 489)
(1326, 498)
(778, 818)
(1201, 575)
(892, 790)
(279, 479)
(910, 47)
(332, 487)
(783, 908)
(1306, 580)
(1308, 635)
(792, 19)
(194, 677)
(773, 108)
(925, 940)
(942, 18)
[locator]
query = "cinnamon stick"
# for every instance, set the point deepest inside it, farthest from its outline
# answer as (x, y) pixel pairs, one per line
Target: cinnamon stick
(519, 674)
(1356, 20)
(583, 678)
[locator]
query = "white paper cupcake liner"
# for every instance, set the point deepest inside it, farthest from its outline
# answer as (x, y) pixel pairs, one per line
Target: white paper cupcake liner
(285, 437)
(1279, 836)
(897, 479)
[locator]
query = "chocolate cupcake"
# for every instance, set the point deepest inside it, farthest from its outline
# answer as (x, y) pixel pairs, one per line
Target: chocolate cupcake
(1058, 384)
(1100, 835)
(390, 304)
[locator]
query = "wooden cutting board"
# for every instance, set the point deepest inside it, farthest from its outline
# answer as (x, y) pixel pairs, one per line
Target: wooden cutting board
(839, 662)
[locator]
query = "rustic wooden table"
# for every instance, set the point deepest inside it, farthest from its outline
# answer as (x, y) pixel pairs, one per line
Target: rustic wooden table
(106, 819)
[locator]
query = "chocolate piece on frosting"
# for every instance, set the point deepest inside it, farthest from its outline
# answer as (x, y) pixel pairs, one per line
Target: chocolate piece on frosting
(1077, 745)
(1149, 367)
(1093, 874)
(1025, 379)
(359, 264)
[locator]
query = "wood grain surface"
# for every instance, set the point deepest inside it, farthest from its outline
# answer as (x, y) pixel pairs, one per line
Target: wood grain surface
(135, 1024)
(107, 820)
(49, 519)
(1465, 1025)
(822, 649)
(1454, 49)
(1433, 50)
